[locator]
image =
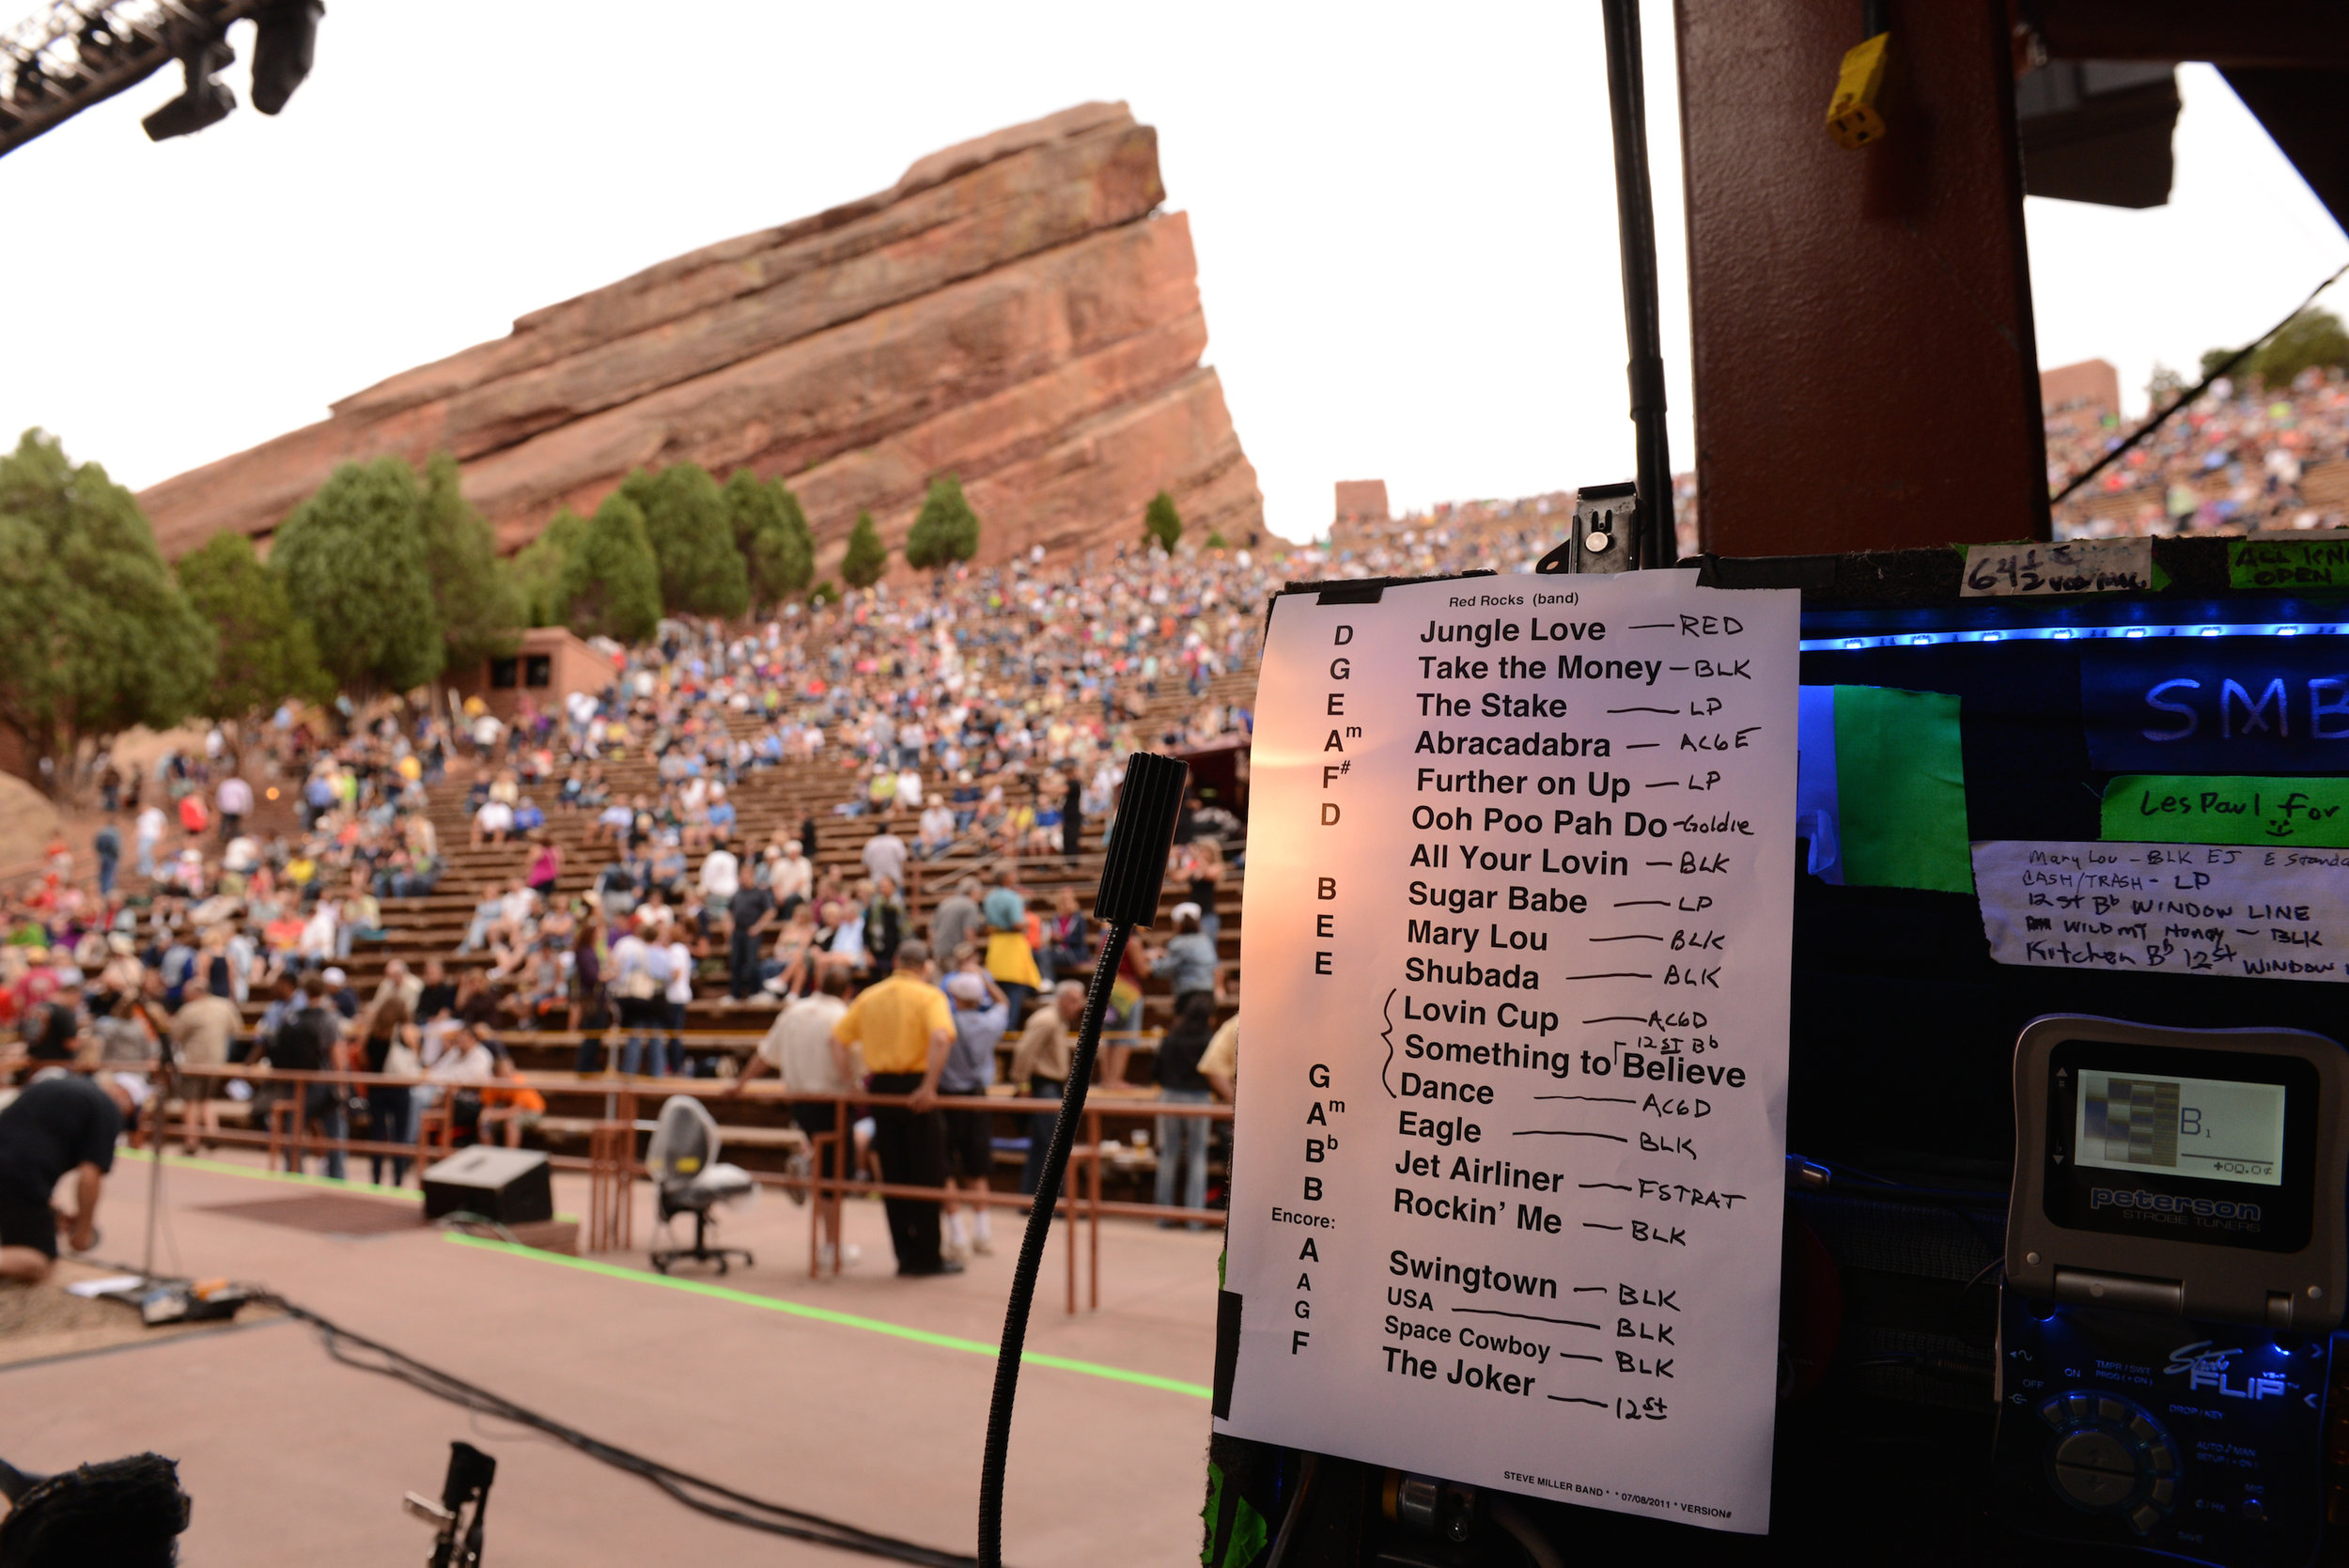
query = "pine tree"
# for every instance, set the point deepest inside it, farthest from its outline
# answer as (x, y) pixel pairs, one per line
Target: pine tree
(770, 531)
(866, 557)
(538, 569)
(99, 636)
(2313, 337)
(702, 573)
(611, 583)
(946, 530)
(474, 592)
(264, 652)
(1160, 522)
(354, 562)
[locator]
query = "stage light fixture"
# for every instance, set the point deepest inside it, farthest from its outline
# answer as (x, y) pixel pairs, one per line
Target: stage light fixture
(203, 102)
(285, 42)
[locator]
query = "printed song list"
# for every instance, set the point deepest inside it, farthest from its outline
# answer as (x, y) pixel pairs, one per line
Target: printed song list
(1517, 934)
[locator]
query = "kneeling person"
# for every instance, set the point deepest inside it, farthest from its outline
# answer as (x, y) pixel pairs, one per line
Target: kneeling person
(67, 1122)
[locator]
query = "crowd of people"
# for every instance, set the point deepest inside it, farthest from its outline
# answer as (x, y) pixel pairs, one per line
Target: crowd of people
(2236, 460)
(924, 1016)
(970, 724)
(980, 720)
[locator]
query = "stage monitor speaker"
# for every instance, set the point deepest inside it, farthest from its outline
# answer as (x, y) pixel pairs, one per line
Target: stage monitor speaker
(509, 1186)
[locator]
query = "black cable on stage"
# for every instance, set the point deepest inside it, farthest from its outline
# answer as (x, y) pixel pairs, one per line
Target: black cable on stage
(695, 1492)
(1148, 804)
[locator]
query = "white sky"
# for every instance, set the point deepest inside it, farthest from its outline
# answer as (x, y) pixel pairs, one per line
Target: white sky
(2241, 242)
(1405, 218)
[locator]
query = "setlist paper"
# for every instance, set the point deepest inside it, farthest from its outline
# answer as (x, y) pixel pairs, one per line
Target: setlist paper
(1509, 1156)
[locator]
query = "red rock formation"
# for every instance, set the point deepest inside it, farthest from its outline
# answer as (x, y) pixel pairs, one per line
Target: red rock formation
(1014, 310)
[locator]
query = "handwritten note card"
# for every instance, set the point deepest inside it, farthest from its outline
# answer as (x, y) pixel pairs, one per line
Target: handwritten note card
(2158, 908)
(1508, 1169)
(2068, 566)
(2288, 563)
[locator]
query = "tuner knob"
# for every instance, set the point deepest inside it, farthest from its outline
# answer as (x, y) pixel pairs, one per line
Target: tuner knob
(2109, 1456)
(2095, 1469)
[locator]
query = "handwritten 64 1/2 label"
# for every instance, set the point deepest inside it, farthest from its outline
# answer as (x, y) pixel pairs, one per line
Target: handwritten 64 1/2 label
(1508, 1164)
(2070, 567)
(2166, 909)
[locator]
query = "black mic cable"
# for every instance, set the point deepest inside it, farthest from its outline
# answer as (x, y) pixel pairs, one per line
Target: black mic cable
(1148, 804)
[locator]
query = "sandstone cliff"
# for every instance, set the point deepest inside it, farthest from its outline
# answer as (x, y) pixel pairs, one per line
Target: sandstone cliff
(1014, 309)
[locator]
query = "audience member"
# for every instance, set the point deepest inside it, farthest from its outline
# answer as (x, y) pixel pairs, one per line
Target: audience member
(798, 1045)
(1183, 1139)
(981, 1014)
(905, 1029)
(1041, 1064)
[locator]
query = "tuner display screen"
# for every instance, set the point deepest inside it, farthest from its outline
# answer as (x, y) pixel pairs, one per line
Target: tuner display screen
(2180, 1145)
(2217, 1129)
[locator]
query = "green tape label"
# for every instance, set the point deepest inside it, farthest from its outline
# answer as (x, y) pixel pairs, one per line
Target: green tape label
(1900, 768)
(2288, 563)
(2153, 808)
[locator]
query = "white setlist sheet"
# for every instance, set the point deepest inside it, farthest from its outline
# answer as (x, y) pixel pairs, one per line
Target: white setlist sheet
(1518, 937)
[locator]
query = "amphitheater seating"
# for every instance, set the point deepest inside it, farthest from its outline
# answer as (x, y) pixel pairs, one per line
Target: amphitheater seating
(765, 799)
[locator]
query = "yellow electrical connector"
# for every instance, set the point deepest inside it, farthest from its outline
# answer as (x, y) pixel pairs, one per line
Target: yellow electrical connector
(1855, 118)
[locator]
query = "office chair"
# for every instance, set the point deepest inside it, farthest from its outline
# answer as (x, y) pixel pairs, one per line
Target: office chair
(689, 1180)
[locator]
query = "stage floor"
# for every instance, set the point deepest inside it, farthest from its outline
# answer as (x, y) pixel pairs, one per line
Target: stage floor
(863, 1397)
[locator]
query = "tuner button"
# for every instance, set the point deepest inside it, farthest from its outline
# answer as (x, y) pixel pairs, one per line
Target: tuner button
(2113, 1410)
(2162, 1458)
(2095, 1469)
(2083, 1407)
(2143, 1428)
(2143, 1518)
(2052, 1413)
(2164, 1492)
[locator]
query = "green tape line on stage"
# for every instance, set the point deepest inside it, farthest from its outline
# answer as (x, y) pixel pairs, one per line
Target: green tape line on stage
(2156, 808)
(845, 1320)
(2287, 563)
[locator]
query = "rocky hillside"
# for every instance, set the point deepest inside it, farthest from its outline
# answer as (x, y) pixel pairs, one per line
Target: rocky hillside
(1016, 310)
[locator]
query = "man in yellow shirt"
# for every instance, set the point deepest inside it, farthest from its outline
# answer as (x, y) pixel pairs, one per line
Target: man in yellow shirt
(905, 1029)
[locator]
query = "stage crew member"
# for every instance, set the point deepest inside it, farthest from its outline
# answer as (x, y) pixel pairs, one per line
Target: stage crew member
(61, 1123)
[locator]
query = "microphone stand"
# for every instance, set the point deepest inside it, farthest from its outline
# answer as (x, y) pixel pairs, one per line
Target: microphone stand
(159, 1132)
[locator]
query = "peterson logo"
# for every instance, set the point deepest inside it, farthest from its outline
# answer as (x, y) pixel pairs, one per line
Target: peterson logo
(2169, 1203)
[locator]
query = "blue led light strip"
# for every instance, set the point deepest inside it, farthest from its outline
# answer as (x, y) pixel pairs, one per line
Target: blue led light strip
(2069, 634)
